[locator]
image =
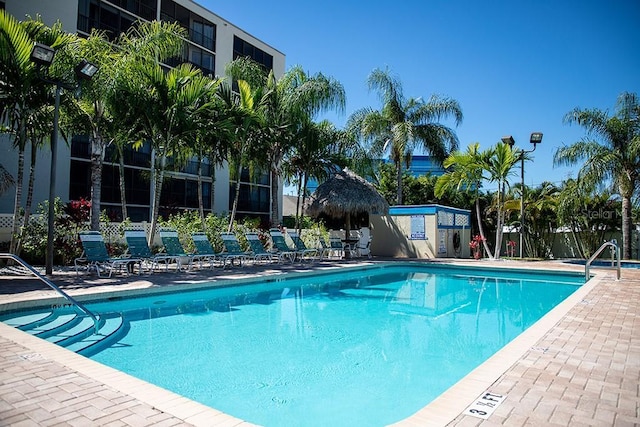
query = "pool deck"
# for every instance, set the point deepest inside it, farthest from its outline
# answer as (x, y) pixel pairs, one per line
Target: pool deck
(579, 365)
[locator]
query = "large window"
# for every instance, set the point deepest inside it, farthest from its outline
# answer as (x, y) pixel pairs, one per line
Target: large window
(145, 9)
(202, 59)
(243, 48)
(201, 31)
(96, 14)
(180, 193)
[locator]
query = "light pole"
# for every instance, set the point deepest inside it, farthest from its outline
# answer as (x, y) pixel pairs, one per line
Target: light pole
(43, 55)
(535, 139)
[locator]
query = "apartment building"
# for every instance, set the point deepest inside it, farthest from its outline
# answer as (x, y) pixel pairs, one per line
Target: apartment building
(212, 43)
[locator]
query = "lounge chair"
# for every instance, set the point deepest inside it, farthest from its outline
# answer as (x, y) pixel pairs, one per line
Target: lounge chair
(204, 248)
(363, 247)
(258, 250)
(232, 251)
(95, 255)
(174, 248)
(280, 245)
(337, 247)
(139, 248)
(301, 248)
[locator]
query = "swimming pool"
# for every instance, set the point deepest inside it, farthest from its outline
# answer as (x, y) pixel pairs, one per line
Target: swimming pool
(366, 347)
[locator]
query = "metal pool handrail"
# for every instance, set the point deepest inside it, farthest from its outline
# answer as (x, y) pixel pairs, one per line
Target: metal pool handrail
(53, 286)
(614, 246)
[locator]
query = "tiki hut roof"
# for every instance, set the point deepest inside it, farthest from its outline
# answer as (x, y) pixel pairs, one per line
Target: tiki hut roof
(346, 193)
(6, 180)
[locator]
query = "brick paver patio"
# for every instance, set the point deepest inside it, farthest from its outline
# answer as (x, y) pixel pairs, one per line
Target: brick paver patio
(584, 369)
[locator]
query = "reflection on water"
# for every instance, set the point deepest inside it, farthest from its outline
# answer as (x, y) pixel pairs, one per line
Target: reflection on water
(374, 346)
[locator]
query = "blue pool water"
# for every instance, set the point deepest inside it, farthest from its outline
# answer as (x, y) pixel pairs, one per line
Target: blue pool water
(366, 348)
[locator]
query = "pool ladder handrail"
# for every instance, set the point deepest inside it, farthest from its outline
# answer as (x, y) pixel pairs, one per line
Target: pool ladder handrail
(615, 253)
(54, 287)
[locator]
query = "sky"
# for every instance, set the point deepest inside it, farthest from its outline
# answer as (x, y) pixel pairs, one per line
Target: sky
(515, 67)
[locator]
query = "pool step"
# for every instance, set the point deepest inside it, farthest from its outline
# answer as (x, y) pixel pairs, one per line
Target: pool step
(110, 332)
(71, 330)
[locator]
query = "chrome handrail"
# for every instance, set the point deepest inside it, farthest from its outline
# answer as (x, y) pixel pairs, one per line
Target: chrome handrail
(614, 247)
(54, 287)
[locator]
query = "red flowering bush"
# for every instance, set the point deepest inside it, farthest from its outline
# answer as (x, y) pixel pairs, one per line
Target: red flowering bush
(476, 246)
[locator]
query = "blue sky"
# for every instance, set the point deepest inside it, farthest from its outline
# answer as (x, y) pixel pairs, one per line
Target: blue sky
(514, 66)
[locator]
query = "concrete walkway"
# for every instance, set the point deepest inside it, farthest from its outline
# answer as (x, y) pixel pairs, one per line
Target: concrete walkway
(580, 365)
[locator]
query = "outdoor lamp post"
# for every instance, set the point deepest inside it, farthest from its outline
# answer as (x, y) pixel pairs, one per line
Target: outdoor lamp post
(43, 55)
(535, 139)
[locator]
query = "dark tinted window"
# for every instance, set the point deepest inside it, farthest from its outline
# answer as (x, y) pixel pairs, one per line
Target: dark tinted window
(243, 48)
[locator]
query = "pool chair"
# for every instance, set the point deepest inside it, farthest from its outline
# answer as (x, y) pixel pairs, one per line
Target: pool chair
(233, 251)
(95, 256)
(337, 247)
(280, 246)
(326, 250)
(302, 251)
(363, 247)
(173, 247)
(139, 248)
(204, 249)
(258, 250)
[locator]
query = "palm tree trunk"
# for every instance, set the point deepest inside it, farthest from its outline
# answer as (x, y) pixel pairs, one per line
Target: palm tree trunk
(200, 198)
(304, 197)
(275, 189)
(399, 183)
(97, 157)
(159, 178)
(123, 193)
(235, 200)
(496, 254)
(17, 203)
(481, 229)
(626, 227)
(29, 201)
(299, 190)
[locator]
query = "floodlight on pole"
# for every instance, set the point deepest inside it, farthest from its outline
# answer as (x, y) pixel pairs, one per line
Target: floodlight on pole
(43, 55)
(535, 139)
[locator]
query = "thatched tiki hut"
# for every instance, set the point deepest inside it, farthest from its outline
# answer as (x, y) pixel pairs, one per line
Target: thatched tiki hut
(346, 194)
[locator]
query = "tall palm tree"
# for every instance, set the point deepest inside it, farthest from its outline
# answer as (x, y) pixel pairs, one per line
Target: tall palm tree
(610, 152)
(289, 104)
(499, 162)
(402, 125)
(319, 151)
(465, 173)
(468, 170)
(159, 105)
(22, 90)
(244, 112)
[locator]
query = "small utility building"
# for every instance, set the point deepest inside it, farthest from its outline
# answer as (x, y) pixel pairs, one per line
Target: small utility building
(422, 231)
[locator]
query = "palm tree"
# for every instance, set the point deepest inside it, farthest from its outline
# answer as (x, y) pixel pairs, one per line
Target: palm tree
(318, 152)
(469, 169)
(159, 105)
(244, 112)
(465, 173)
(499, 162)
(402, 125)
(212, 131)
(22, 90)
(290, 103)
(610, 152)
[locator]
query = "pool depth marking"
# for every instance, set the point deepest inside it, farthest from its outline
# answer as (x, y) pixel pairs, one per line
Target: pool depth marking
(484, 405)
